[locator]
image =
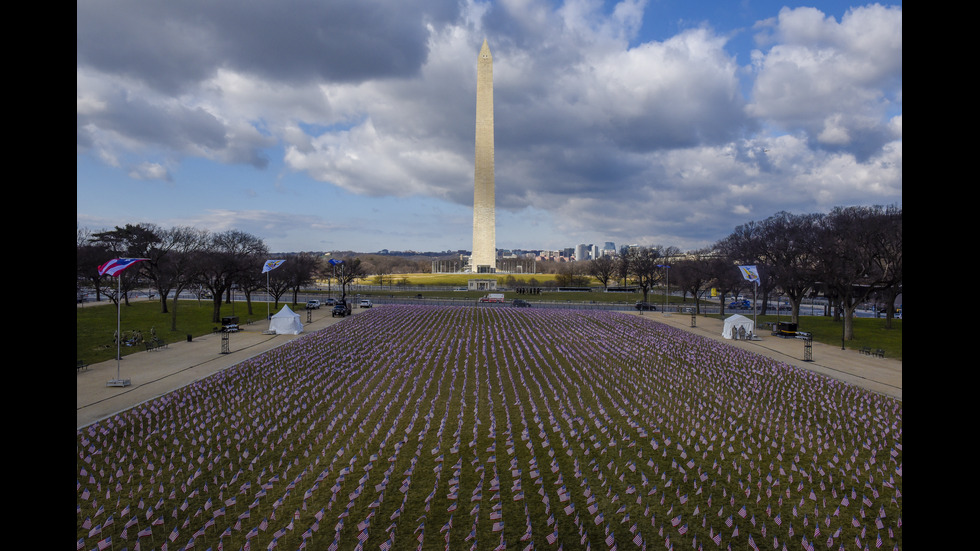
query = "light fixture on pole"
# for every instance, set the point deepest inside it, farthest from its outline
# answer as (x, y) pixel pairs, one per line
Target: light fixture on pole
(114, 269)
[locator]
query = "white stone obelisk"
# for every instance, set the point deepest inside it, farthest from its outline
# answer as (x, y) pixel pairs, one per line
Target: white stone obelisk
(484, 254)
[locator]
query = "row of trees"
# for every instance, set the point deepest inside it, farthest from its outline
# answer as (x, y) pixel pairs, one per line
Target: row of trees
(850, 255)
(210, 264)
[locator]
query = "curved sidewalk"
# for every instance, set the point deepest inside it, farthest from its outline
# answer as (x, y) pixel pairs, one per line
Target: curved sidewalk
(153, 374)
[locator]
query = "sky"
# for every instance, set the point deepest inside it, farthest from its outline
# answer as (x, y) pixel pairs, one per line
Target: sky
(349, 124)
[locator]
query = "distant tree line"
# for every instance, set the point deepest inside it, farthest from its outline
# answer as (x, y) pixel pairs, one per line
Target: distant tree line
(850, 255)
(207, 264)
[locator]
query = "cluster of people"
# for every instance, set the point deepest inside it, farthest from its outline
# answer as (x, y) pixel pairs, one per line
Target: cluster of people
(133, 338)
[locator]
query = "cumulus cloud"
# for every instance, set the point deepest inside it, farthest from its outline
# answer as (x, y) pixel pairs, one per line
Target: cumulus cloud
(596, 129)
(835, 81)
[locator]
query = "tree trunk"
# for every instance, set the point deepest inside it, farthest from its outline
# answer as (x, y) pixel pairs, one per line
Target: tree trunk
(173, 313)
(216, 315)
(849, 321)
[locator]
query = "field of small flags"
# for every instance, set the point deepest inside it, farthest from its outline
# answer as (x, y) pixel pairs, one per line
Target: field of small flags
(426, 427)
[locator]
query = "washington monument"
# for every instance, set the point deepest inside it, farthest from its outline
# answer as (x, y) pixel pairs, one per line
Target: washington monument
(484, 255)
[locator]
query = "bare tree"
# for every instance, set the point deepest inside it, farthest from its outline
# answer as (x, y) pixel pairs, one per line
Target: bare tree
(569, 274)
(348, 270)
(693, 275)
(132, 241)
(888, 257)
(299, 271)
(179, 269)
(278, 285)
(382, 268)
(787, 248)
(727, 281)
(623, 264)
(91, 254)
(850, 254)
(224, 256)
(645, 268)
(603, 269)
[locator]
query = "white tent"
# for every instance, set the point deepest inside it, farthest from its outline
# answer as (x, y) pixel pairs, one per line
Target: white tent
(736, 322)
(286, 322)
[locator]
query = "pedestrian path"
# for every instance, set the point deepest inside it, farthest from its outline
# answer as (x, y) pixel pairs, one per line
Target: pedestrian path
(882, 375)
(155, 373)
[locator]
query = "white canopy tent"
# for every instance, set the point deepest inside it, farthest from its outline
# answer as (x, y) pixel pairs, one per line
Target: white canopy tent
(734, 324)
(286, 322)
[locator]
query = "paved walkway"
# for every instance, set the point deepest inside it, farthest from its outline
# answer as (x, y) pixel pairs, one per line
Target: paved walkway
(155, 373)
(882, 375)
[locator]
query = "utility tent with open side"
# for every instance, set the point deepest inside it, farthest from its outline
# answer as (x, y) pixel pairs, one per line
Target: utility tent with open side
(737, 326)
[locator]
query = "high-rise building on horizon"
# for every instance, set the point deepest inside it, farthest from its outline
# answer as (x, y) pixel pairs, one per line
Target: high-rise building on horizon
(483, 258)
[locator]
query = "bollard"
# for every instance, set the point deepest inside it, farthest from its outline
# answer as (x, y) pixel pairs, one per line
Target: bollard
(189, 337)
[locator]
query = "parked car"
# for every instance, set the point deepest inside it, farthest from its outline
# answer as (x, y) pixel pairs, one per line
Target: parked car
(341, 309)
(645, 306)
(521, 303)
(742, 304)
(313, 305)
(365, 303)
(329, 301)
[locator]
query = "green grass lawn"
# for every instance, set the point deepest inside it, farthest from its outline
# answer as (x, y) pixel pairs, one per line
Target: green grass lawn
(95, 325)
(867, 332)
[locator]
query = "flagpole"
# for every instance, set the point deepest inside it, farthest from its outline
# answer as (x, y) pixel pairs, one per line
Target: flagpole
(114, 268)
(118, 381)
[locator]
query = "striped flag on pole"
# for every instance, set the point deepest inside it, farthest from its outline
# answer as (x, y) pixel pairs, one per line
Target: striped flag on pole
(117, 265)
